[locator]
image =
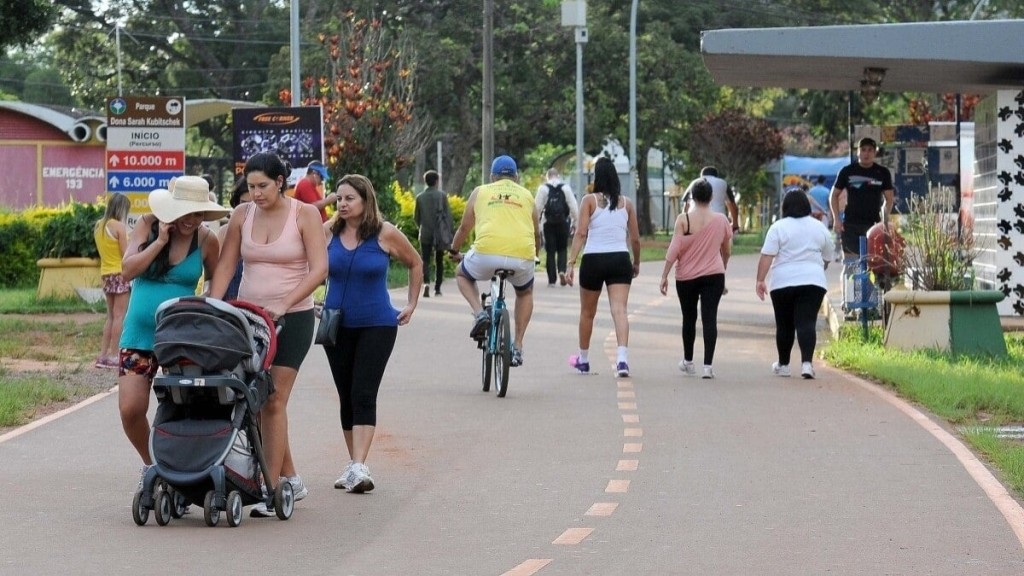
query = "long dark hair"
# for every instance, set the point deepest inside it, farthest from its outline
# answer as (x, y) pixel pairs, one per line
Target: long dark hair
(606, 181)
(795, 204)
(373, 220)
(162, 262)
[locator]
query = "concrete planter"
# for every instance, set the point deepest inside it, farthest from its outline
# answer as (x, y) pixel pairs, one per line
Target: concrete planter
(960, 321)
(59, 277)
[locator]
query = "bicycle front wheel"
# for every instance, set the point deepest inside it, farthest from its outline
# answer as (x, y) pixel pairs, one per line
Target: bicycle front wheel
(502, 354)
(486, 366)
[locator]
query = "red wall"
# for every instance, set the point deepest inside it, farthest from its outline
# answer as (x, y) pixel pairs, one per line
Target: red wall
(39, 164)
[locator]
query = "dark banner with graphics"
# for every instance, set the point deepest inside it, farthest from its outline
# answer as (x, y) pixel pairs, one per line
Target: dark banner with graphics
(295, 134)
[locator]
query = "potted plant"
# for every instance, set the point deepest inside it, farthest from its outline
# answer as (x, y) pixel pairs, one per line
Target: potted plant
(940, 307)
(68, 257)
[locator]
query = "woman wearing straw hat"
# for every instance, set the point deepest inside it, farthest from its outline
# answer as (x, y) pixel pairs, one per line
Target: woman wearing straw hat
(167, 253)
(281, 242)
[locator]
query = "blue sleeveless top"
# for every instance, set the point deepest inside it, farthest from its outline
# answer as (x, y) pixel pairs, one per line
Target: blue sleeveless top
(149, 293)
(357, 281)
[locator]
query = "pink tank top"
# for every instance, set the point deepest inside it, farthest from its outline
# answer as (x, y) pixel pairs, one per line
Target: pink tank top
(274, 269)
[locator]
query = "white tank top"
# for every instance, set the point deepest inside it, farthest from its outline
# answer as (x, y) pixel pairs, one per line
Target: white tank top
(608, 230)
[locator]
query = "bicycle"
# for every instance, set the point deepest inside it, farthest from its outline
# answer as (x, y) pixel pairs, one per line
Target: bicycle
(496, 344)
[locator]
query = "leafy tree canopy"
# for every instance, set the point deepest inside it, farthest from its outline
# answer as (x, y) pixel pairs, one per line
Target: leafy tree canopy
(23, 21)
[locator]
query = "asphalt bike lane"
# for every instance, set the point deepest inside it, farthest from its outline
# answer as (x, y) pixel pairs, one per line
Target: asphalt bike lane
(655, 474)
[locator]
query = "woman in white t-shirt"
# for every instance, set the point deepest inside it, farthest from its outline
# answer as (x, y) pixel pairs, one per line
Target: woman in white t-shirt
(797, 250)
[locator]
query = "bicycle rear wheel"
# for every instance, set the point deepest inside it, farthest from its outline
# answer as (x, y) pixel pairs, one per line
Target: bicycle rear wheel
(502, 354)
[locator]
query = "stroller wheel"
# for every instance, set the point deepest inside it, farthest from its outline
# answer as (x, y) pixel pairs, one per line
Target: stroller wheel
(163, 508)
(179, 504)
(210, 512)
(234, 511)
(140, 514)
(284, 500)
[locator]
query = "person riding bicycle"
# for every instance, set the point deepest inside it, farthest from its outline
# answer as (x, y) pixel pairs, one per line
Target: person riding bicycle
(507, 227)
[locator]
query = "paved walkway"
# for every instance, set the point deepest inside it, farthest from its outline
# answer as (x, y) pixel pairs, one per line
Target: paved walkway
(656, 474)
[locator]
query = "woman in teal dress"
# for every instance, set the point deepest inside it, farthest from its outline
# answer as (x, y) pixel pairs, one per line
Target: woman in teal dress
(168, 252)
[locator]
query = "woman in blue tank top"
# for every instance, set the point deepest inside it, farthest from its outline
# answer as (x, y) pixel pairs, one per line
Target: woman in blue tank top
(167, 253)
(359, 251)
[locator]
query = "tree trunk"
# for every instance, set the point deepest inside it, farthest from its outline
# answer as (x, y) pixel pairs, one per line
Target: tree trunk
(643, 196)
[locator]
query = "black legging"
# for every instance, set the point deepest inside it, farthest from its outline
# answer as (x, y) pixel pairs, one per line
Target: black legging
(357, 365)
(556, 242)
(708, 290)
(796, 311)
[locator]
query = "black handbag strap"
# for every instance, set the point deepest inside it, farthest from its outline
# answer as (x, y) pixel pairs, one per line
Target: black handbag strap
(348, 272)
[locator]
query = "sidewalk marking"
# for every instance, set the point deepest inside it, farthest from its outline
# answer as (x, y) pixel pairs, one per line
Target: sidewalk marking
(633, 432)
(50, 418)
(617, 487)
(632, 447)
(626, 394)
(996, 492)
(627, 405)
(624, 383)
(630, 418)
(627, 466)
(528, 568)
(602, 509)
(573, 536)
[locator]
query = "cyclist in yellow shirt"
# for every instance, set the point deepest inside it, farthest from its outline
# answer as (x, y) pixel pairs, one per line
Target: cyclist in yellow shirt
(507, 227)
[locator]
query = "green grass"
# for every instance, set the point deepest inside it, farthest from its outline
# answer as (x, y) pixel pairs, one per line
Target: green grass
(23, 301)
(974, 394)
(50, 341)
(20, 396)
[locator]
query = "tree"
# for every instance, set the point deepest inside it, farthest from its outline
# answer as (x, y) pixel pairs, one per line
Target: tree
(366, 93)
(23, 21)
(737, 144)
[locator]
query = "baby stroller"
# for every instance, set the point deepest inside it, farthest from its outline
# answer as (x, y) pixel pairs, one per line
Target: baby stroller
(205, 441)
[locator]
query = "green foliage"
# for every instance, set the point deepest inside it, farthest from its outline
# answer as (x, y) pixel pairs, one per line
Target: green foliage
(22, 22)
(938, 256)
(737, 144)
(19, 249)
(69, 233)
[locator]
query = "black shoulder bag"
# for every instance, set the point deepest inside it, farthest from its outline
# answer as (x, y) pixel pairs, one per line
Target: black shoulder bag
(330, 318)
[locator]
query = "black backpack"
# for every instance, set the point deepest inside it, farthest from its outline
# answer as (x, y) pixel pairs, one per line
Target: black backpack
(556, 209)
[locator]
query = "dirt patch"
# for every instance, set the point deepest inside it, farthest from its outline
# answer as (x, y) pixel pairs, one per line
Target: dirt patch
(77, 376)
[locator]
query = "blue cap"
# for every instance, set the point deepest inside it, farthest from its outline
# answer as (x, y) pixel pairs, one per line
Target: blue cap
(504, 166)
(319, 169)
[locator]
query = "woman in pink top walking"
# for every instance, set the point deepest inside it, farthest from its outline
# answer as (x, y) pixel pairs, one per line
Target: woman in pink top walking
(700, 249)
(281, 243)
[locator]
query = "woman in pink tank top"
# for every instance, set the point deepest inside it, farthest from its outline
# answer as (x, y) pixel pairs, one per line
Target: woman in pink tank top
(284, 253)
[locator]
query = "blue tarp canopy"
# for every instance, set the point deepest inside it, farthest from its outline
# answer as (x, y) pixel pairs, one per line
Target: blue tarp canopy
(805, 170)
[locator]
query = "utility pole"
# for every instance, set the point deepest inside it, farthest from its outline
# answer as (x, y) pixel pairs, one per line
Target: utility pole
(294, 41)
(574, 14)
(487, 122)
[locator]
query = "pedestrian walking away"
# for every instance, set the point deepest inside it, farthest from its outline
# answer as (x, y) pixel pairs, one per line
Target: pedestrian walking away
(433, 217)
(360, 249)
(559, 213)
(504, 219)
(699, 252)
(168, 252)
(111, 237)
(606, 235)
(281, 243)
(796, 250)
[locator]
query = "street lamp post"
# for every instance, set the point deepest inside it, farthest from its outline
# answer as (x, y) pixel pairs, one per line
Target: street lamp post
(574, 14)
(632, 90)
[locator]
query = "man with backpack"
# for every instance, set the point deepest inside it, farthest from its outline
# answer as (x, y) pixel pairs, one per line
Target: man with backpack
(433, 216)
(558, 212)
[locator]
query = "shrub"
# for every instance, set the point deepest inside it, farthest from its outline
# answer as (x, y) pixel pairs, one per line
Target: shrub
(19, 245)
(69, 233)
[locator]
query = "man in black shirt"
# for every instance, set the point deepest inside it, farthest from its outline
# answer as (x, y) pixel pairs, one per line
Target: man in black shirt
(869, 197)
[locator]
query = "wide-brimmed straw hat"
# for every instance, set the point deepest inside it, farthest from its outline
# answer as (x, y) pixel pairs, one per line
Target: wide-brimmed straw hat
(185, 195)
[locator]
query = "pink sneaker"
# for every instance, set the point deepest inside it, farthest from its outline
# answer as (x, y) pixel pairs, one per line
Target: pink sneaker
(581, 367)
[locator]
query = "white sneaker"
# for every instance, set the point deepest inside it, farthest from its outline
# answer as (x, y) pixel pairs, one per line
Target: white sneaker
(361, 480)
(142, 475)
(807, 371)
(687, 367)
(708, 373)
(261, 510)
(780, 369)
(299, 489)
(342, 481)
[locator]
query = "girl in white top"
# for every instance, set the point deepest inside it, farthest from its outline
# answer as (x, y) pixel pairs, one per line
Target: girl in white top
(608, 230)
(797, 250)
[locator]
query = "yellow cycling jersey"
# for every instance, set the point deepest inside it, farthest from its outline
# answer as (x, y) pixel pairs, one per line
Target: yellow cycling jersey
(504, 220)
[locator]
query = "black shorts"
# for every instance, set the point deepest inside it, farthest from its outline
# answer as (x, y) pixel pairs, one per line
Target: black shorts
(852, 231)
(602, 268)
(295, 338)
